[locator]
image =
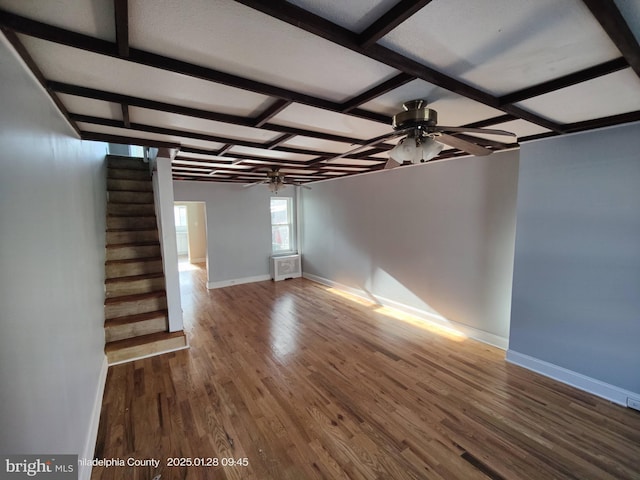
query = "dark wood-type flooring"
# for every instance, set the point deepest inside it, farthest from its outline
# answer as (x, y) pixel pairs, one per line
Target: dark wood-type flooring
(306, 383)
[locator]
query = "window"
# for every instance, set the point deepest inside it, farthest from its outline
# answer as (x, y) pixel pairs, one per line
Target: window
(281, 225)
(180, 215)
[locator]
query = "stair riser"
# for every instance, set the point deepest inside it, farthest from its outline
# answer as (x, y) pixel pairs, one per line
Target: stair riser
(131, 209)
(120, 289)
(154, 348)
(139, 251)
(131, 222)
(127, 163)
(115, 238)
(143, 327)
(130, 269)
(129, 185)
(126, 174)
(130, 197)
(124, 309)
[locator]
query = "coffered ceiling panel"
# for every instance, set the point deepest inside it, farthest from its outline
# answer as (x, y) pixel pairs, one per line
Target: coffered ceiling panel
(235, 39)
(503, 45)
(199, 125)
(297, 115)
(607, 95)
(94, 108)
(267, 154)
(317, 144)
(91, 17)
(453, 109)
(175, 139)
(356, 15)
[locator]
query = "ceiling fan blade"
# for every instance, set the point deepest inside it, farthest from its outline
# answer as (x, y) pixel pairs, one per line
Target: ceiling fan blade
(298, 184)
(487, 131)
(368, 143)
(255, 183)
(463, 145)
(391, 163)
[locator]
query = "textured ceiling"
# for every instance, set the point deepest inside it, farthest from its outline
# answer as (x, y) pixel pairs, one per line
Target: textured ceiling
(238, 87)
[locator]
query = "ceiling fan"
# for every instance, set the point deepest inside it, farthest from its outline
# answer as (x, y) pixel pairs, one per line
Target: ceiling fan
(276, 181)
(425, 139)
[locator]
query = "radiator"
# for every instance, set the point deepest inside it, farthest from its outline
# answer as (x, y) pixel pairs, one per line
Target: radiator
(285, 267)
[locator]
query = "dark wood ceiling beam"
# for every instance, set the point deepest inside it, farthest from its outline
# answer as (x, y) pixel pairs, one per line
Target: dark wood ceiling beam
(121, 9)
(376, 91)
(566, 81)
(607, 14)
(224, 149)
(282, 138)
(125, 115)
(107, 122)
(390, 20)
(191, 112)
(299, 17)
(602, 122)
(28, 60)
(271, 111)
(125, 140)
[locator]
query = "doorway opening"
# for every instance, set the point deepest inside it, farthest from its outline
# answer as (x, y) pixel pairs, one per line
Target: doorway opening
(191, 234)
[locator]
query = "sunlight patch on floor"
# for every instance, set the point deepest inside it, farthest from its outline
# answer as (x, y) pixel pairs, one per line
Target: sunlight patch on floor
(351, 297)
(442, 330)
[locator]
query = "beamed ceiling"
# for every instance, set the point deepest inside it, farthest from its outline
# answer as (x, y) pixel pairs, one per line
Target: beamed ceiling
(242, 86)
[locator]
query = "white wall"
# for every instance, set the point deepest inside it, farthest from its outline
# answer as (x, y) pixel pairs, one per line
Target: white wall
(238, 228)
(438, 237)
(52, 237)
(576, 289)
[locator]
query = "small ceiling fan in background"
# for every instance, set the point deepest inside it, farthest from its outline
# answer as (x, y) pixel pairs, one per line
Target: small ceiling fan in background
(276, 181)
(425, 139)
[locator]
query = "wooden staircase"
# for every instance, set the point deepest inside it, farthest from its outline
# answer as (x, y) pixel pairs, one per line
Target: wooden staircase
(135, 307)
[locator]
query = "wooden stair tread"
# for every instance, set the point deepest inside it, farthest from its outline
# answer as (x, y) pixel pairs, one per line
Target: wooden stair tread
(141, 229)
(132, 215)
(112, 322)
(130, 191)
(133, 244)
(124, 261)
(135, 297)
(142, 340)
(134, 278)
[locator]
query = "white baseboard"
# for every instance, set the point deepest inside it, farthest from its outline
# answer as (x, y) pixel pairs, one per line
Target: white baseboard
(428, 316)
(84, 471)
(237, 281)
(590, 385)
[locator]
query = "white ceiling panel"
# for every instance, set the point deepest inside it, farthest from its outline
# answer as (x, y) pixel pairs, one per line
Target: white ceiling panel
(90, 127)
(236, 39)
(294, 157)
(89, 106)
(453, 109)
(503, 46)
(199, 125)
(179, 163)
(611, 94)
(354, 15)
(303, 116)
(78, 67)
(317, 144)
(95, 18)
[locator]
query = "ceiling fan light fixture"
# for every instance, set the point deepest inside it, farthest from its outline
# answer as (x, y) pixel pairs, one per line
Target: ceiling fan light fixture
(415, 151)
(429, 149)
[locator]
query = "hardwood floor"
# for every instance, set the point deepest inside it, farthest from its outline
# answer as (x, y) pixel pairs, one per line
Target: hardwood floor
(306, 383)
